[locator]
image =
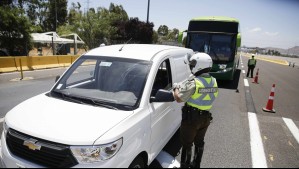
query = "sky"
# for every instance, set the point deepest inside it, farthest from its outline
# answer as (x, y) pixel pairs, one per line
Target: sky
(263, 23)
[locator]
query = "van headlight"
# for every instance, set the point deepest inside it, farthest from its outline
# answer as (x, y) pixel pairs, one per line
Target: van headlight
(93, 154)
(5, 128)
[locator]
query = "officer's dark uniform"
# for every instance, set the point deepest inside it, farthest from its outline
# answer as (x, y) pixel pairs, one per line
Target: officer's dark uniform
(198, 93)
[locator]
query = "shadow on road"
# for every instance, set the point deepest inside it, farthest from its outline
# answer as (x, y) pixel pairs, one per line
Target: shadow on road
(174, 145)
(173, 148)
(232, 85)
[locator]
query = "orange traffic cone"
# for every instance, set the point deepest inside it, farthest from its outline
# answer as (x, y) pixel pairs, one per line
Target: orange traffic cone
(269, 107)
(256, 78)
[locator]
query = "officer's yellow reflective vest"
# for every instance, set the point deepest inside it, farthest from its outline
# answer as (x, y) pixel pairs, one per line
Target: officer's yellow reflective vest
(205, 94)
(252, 62)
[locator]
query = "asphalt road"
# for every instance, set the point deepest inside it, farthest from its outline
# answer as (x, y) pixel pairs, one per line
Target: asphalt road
(281, 148)
(230, 138)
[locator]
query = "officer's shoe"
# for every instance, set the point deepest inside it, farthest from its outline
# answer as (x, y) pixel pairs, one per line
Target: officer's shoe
(183, 165)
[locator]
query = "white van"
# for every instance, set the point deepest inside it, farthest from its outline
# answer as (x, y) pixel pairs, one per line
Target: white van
(107, 110)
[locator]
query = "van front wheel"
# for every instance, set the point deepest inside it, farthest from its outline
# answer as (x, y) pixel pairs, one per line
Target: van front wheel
(137, 163)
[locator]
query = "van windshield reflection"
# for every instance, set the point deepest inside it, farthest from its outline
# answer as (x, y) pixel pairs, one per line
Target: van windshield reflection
(104, 81)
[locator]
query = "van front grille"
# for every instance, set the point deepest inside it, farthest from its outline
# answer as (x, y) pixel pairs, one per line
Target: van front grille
(51, 155)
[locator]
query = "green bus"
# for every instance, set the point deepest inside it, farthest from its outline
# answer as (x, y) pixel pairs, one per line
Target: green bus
(220, 38)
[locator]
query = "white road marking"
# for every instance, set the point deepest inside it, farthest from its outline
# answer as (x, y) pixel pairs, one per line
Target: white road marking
(246, 83)
(242, 66)
(1, 120)
(1, 149)
(243, 71)
(292, 127)
(257, 149)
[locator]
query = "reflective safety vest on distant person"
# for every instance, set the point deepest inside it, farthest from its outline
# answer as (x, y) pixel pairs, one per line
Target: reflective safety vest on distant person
(252, 62)
(205, 94)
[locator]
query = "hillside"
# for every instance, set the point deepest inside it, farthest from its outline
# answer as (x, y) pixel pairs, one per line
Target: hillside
(290, 51)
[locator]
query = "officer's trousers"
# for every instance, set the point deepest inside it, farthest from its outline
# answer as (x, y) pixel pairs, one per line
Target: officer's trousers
(193, 130)
(250, 71)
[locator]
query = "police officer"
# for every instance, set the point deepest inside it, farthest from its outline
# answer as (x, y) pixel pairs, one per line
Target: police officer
(251, 66)
(198, 93)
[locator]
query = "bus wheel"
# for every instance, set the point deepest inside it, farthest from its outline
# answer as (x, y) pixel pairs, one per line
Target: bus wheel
(137, 163)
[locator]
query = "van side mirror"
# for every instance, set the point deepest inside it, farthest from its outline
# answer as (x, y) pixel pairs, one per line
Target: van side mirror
(239, 40)
(57, 78)
(162, 96)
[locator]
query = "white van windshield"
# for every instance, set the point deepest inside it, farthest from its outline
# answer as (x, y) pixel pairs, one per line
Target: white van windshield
(104, 81)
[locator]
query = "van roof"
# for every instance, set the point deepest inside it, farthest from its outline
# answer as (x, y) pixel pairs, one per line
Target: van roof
(131, 51)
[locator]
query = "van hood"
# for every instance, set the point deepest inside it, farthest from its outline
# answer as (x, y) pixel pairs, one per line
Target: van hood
(63, 122)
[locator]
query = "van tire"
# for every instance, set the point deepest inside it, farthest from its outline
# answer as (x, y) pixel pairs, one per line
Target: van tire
(137, 163)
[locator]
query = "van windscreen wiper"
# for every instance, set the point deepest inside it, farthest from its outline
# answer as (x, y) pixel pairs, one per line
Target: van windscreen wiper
(84, 100)
(99, 103)
(70, 97)
(102, 104)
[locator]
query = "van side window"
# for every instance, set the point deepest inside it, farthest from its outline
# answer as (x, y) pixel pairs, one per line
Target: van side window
(163, 78)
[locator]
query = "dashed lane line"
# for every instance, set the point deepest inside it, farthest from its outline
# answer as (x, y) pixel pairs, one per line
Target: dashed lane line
(246, 83)
(292, 127)
(1, 121)
(257, 149)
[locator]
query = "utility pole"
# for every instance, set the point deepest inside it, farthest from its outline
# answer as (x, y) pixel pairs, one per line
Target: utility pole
(55, 16)
(148, 8)
(87, 6)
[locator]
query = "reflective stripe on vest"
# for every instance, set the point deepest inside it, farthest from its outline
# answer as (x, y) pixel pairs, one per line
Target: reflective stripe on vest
(206, 93)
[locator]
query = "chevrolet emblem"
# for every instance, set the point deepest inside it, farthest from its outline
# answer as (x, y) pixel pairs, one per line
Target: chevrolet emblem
(31, 144)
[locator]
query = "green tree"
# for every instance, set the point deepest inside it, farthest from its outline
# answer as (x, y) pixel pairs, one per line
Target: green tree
(5, 2)
(155, 37)
(74, 13)
(14, 31)
(56, 8)
(163, 30)
(172, 35)
(135, 30)
(111, 17)
(37, 11)
(91, 29)
(96, 26)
